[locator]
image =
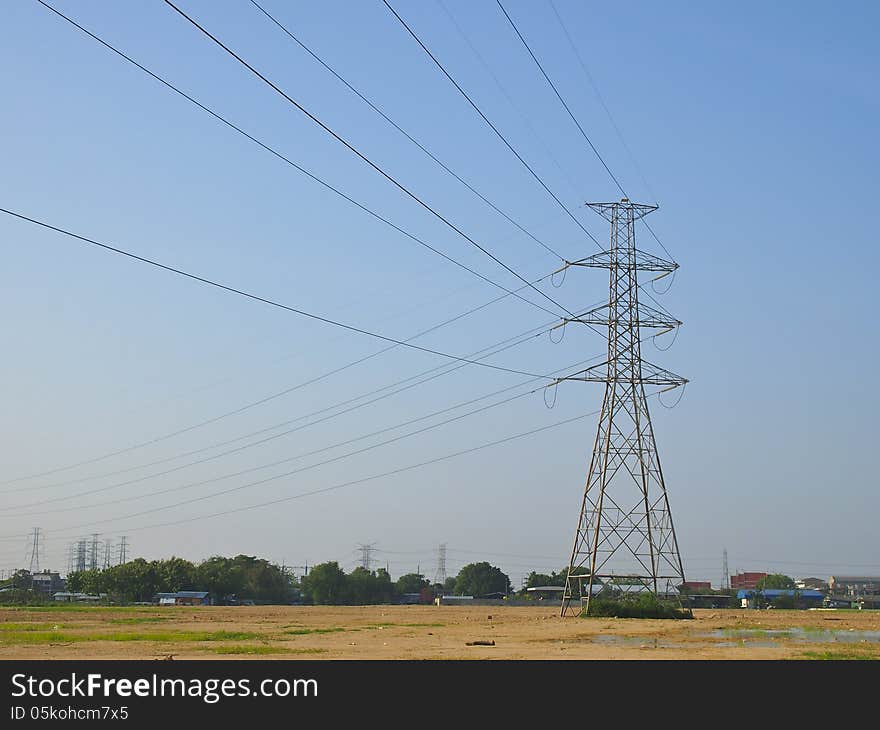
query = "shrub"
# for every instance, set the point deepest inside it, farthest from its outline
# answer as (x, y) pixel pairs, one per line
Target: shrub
(640, 605)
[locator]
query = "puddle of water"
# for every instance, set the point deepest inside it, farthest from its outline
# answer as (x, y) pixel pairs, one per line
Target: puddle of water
(799, 635)
(647, 642)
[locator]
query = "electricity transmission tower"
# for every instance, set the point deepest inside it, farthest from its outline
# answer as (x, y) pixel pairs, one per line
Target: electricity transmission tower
(76, 561)
(93, 552)
(440, 574)
(108, 553)
(366, 555)
(36, 549)
(123, 549)
(625, 536)
(725, 574)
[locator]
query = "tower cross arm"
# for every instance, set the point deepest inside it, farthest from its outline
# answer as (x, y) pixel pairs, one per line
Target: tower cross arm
(649, 375)
(644, 262)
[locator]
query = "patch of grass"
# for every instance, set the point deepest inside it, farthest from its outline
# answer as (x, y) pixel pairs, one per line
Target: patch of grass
(643, 605)
(248, 650)
(838, 654)
(754, 633)
(304, 650)
(9, 626)
(35, 637)
(328, 630)
(46, 637)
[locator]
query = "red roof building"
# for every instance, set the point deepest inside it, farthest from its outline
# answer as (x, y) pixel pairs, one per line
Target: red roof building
(746, 581)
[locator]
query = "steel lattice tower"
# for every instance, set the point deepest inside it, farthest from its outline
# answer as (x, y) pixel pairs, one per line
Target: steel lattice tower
(625, 534)
(440, 574)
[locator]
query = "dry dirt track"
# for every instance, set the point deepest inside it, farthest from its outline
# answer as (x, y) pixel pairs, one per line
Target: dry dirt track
(426, 632)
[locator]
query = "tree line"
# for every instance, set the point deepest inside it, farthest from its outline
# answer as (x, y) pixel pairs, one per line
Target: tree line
(329, 584)
(245, 577)
(241, 577)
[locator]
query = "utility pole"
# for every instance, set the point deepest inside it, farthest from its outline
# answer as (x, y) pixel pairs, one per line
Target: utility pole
(440, 574)
(35, 550)
(625, 534)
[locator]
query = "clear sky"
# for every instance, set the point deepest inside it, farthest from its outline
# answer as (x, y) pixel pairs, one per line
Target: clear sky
(752, 124)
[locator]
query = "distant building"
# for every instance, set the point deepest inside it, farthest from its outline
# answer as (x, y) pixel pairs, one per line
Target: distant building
(78, 597)
(745, 581)
(816, 584)
(549, 591)
(750, 598)
(47, 582)
(697, 585)
(854, 585)
(452, 600)
(184, 598)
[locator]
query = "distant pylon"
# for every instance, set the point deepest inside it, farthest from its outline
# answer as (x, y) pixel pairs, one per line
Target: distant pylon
(625, 534)
(35, 550)
(725, 575)
(81, 554)
(366, 555)
(93, 553)
(123, 549)
(440, 573)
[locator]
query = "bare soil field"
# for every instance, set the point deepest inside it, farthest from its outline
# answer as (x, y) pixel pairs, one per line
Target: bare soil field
(427, 632)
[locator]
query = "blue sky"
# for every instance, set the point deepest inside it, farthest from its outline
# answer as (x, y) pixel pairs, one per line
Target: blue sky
(753, 126)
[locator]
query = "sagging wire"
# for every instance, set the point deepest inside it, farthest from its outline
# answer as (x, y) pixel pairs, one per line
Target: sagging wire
(663, 332)
(560, 326)
(564, 270)
(555, 385)
(664, 274)
(671, 387)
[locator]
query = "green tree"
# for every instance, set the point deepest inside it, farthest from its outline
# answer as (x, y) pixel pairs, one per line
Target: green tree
(176, 574)
(448, 586)
(21, 580)
(136, 580)
(325, 584)
(535, 580)
(364, 587)
(218, 576)
(478, 579)
(775, 581)
(411, 583)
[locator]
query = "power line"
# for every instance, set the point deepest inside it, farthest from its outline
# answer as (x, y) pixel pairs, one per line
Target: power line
(559, 96)
(331, 488)
(406, 134)
(286, 159)
(506, 94)
(574, 119)
(487, 121)
(253, 404)
(363, 480)
(110, 487)
(400, 186)
(601, 99)
(299, 470)
(255, 297)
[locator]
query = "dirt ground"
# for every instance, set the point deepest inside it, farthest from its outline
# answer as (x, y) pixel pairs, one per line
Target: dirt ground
(427, 632)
